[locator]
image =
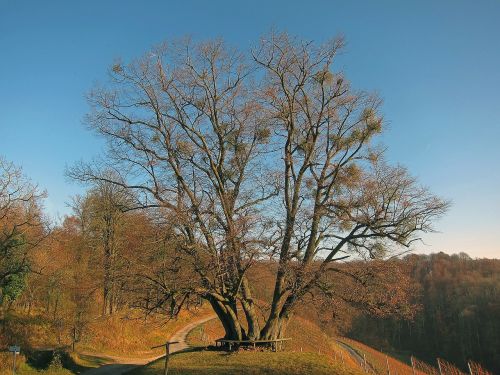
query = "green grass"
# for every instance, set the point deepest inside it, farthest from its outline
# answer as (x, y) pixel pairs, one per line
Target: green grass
(245, 363)
(24, 369)
(42, 364)
(85, 361)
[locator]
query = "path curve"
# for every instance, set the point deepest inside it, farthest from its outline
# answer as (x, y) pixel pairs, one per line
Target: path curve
(181, 335)
(123, 365)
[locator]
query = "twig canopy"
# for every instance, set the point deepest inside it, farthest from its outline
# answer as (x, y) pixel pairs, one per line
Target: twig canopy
(266, 155)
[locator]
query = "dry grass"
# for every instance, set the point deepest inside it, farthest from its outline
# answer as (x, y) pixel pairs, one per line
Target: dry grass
(380, 363)
(306, 338)
(125, 335)
(310, 351)
(474, 369)
(448, 369)
(247, 363)
(131, 335)
(424, 367)
(477, 369)
(28, 331)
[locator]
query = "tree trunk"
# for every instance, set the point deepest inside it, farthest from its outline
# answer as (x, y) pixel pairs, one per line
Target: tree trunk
(228, 317)
(275, 328)
(271, 327)
(249, 310)
(234, 328)
(278, 318)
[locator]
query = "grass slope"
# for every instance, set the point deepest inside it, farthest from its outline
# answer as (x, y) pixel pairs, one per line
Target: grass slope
(246, 363)
(309, 352)
(126, 334)
(306, 337)
(131, 335)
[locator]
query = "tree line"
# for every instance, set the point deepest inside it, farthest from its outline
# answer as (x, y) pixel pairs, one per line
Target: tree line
(458, 315)
(99, 261)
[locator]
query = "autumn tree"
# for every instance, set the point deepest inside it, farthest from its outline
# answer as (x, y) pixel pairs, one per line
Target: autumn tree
(161, 275)
(102, 216)
(22, 227)
(266, 155)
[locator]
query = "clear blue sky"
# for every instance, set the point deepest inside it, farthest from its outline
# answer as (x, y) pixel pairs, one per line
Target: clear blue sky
(435, 63)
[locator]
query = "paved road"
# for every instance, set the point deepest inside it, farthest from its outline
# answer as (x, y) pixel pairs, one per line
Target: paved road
(355, 355)
(123, 365)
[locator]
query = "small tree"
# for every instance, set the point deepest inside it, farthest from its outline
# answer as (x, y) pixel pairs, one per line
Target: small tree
(22, 227)
(256, 157)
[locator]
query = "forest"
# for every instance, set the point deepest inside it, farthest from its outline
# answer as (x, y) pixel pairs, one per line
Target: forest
(457, 316)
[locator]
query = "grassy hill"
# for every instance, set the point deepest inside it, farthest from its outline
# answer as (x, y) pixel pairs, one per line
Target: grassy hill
(126, 334)
(306, 338)
(310, 351)
(246, 363)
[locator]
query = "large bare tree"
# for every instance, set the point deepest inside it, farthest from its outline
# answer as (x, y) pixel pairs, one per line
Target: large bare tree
(256, 156)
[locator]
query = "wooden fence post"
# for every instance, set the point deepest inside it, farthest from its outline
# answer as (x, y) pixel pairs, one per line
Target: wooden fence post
(470, 368)
(14, 363)
(167, 353)
(439, 367)
(387, 363)
(412, 365)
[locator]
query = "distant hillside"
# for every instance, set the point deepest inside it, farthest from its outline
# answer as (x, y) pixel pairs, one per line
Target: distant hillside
(459, 318)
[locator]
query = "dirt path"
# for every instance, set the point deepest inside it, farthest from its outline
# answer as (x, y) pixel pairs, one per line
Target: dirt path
(355, 355)
(120, 365)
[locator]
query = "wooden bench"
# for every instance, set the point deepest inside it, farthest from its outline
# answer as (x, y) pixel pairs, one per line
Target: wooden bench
(274, 343)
